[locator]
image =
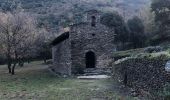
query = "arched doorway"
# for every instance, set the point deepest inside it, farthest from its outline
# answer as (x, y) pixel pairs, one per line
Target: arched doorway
(90, 59)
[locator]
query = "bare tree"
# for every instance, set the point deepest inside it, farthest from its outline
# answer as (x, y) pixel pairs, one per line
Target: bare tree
(17, 33)
(43, 44)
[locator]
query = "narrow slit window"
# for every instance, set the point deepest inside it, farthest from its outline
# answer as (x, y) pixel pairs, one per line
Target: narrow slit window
(93, 22)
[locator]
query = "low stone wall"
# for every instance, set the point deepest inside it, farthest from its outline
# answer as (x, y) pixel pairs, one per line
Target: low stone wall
(142, 73)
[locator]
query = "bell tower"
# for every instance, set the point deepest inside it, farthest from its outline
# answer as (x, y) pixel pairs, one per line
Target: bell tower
(93, 17)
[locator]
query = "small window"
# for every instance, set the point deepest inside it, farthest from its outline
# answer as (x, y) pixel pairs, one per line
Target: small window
(93, 22)
(93, 34)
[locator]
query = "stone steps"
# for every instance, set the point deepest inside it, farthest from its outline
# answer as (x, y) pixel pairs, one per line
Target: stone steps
(97, 71)
(94, 77)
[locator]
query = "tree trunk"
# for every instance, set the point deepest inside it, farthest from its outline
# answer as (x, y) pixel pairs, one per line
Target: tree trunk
(9, 63)
(28, 61)
(45, 60)
(9, 67)
(20, 62)
(16, 59)
(8, 53)
(13, 69)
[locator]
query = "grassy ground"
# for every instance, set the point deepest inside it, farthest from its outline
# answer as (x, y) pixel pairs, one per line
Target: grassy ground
(34, 82)
(127, 53)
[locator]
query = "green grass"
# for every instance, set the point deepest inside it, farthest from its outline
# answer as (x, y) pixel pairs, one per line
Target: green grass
(128, 53)
(34, 82)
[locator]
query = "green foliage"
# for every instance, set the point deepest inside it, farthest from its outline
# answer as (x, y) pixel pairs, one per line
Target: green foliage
(165, 93)
(122, 56)
(159, 55)
(127, 53)
(136, 28)
(136, 25)
(161, 9)
(114, 20)
(8, 5)
(167, 89)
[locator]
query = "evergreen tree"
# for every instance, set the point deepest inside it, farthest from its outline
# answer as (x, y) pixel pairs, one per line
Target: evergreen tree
(114, 20)
(136, 28)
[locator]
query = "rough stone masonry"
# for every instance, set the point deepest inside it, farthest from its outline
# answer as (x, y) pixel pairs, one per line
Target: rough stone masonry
(143, 73)
(87, 45)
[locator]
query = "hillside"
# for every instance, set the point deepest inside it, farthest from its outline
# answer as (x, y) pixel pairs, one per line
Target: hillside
(54, 13)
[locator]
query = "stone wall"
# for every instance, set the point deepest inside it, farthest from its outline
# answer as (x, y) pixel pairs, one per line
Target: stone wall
(143, 73)
(85, 38)
(62, 58)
